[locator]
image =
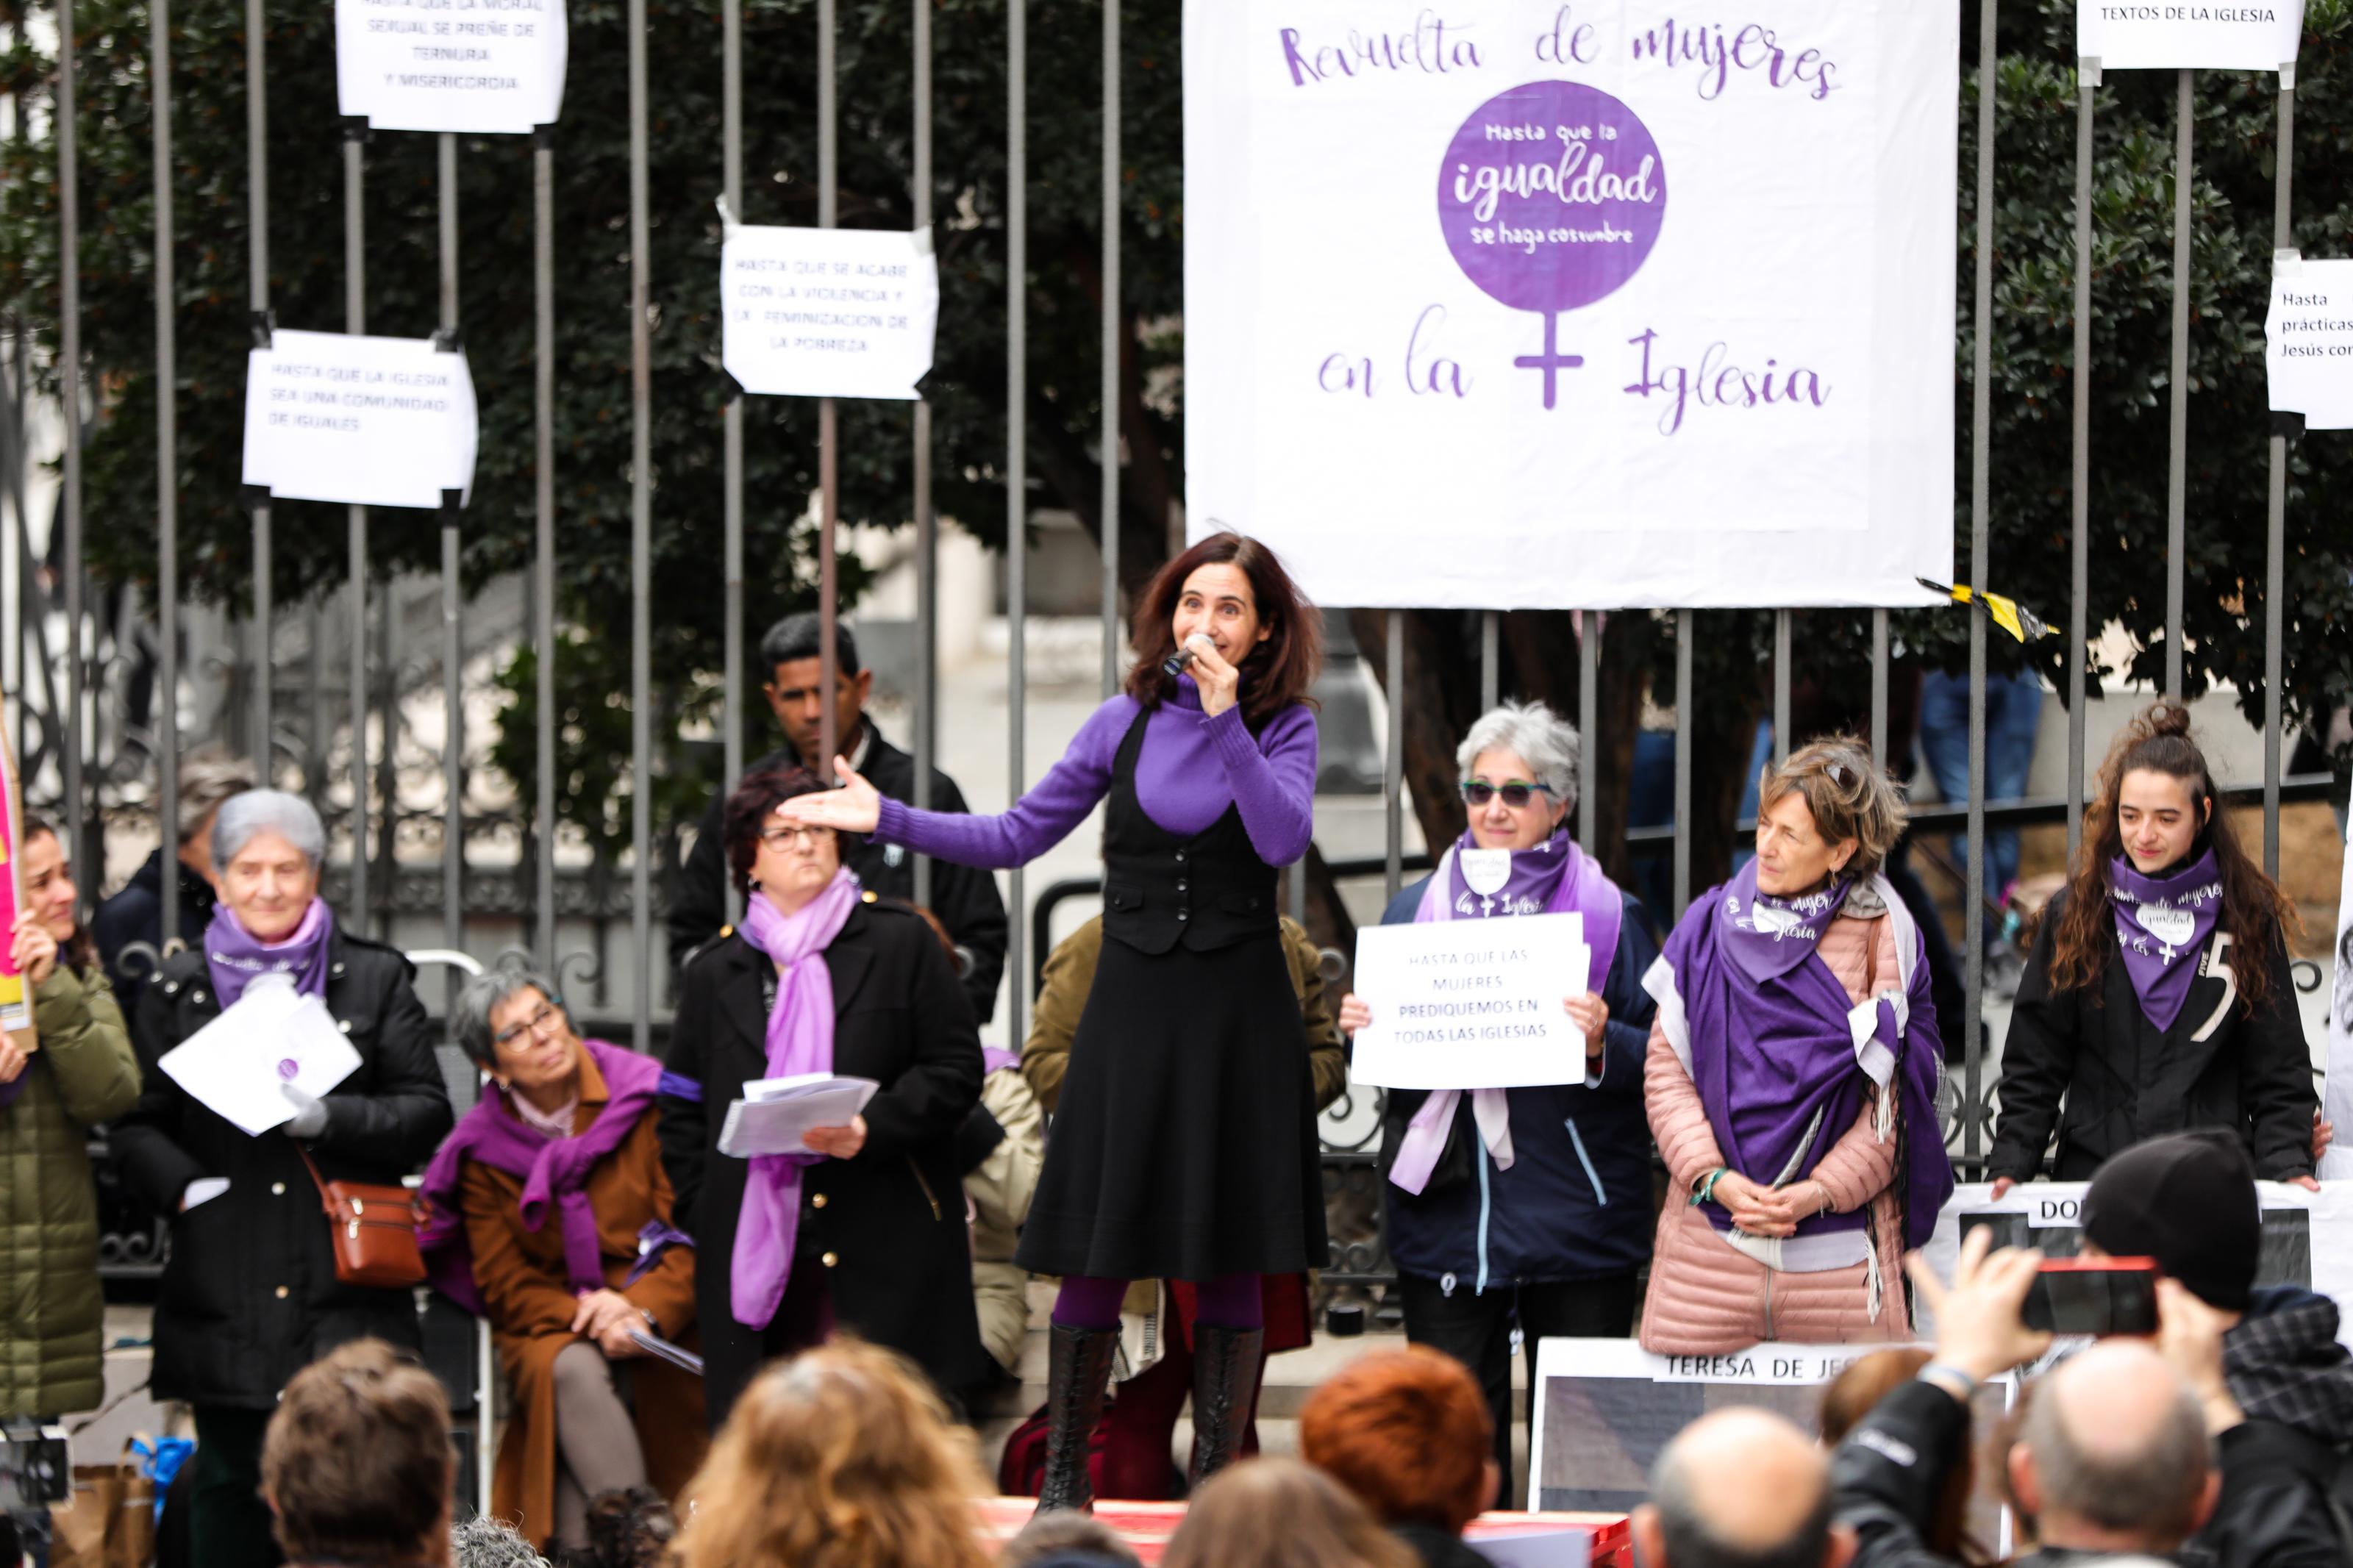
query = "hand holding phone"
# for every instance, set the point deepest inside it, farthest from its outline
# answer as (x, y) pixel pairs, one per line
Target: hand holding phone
(2096, 1296)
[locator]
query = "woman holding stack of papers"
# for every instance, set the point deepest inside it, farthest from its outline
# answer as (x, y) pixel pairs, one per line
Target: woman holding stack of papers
(282, 997)
(550, 1214)
(823, 1057)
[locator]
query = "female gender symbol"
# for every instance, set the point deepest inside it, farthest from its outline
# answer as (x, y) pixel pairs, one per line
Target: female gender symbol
(1551, 197)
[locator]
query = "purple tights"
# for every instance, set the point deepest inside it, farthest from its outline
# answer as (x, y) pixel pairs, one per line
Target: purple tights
(1227, 1301)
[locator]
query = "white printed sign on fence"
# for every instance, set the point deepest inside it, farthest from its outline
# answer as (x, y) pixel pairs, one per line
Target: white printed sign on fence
(1470, 1003)
(2337, 1098)
(475, 66)
(829, 312)
(1528, 304)
(2308, 340)
(364, 421)
(2189, 35)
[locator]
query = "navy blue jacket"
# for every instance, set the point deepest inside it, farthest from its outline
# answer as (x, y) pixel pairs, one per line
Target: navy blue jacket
(1576, 1204)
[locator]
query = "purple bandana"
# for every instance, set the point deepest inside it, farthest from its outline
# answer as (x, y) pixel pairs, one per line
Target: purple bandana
(553, 1170)
(1769, 936)
(1552, 877)
(800, 1040)
(2163, 924)
(235, 955)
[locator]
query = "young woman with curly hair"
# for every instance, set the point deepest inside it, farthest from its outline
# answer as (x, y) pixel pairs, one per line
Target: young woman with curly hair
(2157, 996)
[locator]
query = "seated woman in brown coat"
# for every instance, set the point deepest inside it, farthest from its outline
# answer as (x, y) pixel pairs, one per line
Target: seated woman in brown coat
(568, 1136)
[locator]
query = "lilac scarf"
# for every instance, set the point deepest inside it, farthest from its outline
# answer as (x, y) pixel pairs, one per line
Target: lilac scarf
(1552, 877)
(235, 955)
(800, 1040)
(553, 1169)
(2163, 923)
(1782, 1057)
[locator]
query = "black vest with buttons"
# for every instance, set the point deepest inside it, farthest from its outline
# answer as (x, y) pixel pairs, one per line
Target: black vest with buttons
(1207, 891)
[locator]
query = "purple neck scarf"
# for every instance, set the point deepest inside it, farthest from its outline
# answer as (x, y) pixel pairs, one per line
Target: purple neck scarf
(1552, 877)
(235, 955)
(553, 1169)
(2163, 924)
(800, 1040)
(1779, 1058)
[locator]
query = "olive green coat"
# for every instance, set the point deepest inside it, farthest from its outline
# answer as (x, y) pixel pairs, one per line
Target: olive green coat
(50, 1310)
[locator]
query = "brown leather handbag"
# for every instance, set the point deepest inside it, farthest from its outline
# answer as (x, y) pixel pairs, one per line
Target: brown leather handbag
(372, 1230)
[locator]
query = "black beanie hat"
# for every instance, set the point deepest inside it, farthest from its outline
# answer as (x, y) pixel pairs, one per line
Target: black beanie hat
(2189, 1201)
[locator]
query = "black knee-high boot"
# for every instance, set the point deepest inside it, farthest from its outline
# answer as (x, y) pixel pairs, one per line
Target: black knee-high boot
(1078, 1372)
(1225, 1388)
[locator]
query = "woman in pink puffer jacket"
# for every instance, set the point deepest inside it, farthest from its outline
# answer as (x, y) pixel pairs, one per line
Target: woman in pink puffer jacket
(1791, 1080)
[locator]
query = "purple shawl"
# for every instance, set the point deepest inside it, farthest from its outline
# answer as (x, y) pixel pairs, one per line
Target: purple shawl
(235, 955)
(2163, 923)
(1552, 878)
(1782, 1057)
(554, 1169)
(800, 1040)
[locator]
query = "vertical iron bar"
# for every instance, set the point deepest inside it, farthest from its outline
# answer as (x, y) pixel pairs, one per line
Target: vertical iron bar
(1588, 719)
(1491, 663)
(167, 461)
(2275, 542)
(87, 852)
(1112, 344)
(1898, 765)
(641, 529)
(2177, 465)
(542, 266)
(2087, 87)
(1017, 463)
(927, 537)
(828, 419)
(257, 165)
(730, 158)
(1686, 631)
(1781, 678)
(1980, 532)
(1393, 759)
(356, 519)
(453, 641)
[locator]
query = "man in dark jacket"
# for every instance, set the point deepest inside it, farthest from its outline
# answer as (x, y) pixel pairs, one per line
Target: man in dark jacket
(135, 915)
(2117, 1455)
(964, 900)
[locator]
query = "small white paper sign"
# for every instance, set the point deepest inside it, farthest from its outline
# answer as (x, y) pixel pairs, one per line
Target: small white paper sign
(272, 1036)
(829, 312)
(2189, 35)
(493, 66)
(365, 421)
(1470, 1003)
(2308, 342)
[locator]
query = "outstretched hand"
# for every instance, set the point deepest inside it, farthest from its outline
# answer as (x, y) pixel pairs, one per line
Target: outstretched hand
(1981, 1316)
(855, 807)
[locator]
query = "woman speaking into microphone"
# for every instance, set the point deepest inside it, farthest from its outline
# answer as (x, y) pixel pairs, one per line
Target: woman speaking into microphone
(1184, 1146)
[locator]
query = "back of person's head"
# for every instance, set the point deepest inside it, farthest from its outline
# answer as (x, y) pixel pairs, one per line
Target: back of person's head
(2113, 1455)
(841, 1457)
(629, 1527)
(2189, 1201)
(480, 1542)
(1867, 1380)
(356, 1463)
(1740, 1488)
(1066, 1536)
(1408, 1432)
(1281, 1513)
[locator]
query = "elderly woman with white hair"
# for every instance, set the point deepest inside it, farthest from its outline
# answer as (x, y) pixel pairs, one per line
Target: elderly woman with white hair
(551, 1216)
(1531, 1205)
(250, 1296)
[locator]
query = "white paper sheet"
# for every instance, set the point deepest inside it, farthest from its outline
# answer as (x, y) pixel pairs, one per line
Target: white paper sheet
(775, 1111)
(364, 421)
(2189, 35)
(494, 66)
(829, 312)
(2308, 340)
(239, 1063)
(1470, 1003)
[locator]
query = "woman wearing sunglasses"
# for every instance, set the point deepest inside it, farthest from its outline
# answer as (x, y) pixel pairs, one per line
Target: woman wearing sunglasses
(1527, 1202)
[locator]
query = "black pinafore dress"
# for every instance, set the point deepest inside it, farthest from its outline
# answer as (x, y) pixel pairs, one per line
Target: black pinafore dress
(1184, 1144)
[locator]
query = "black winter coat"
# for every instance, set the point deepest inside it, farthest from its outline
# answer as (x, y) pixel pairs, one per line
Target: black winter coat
(136, 915)
(887, 1225)
(2125, 1080)
(250, 1296)
(964, 900)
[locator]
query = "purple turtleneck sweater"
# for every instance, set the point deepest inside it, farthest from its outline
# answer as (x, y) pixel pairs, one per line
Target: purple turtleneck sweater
(1191, 768)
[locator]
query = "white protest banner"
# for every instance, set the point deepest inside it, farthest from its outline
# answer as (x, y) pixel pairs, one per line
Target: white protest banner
(2308, 340)
(2189, 35)
(1470, 1003)
(365, 421)
(493, 66)
(829, 312)
(2337, 1098)
(1540, 304)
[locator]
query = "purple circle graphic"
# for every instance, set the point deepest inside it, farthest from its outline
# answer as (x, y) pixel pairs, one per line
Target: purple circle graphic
(288, 1068)
(1551, 195)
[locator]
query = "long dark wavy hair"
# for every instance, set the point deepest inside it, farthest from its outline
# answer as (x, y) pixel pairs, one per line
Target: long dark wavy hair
(2254, 911)
(1278, 671)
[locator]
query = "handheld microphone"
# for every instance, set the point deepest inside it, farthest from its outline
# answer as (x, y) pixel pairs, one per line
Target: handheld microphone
(1178, 662)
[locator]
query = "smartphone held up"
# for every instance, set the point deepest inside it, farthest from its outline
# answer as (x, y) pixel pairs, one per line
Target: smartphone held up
(2094, 1295)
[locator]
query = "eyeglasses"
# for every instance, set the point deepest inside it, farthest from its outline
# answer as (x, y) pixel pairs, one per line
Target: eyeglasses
(1515, 794)
(783, 838)
(541, 1023)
